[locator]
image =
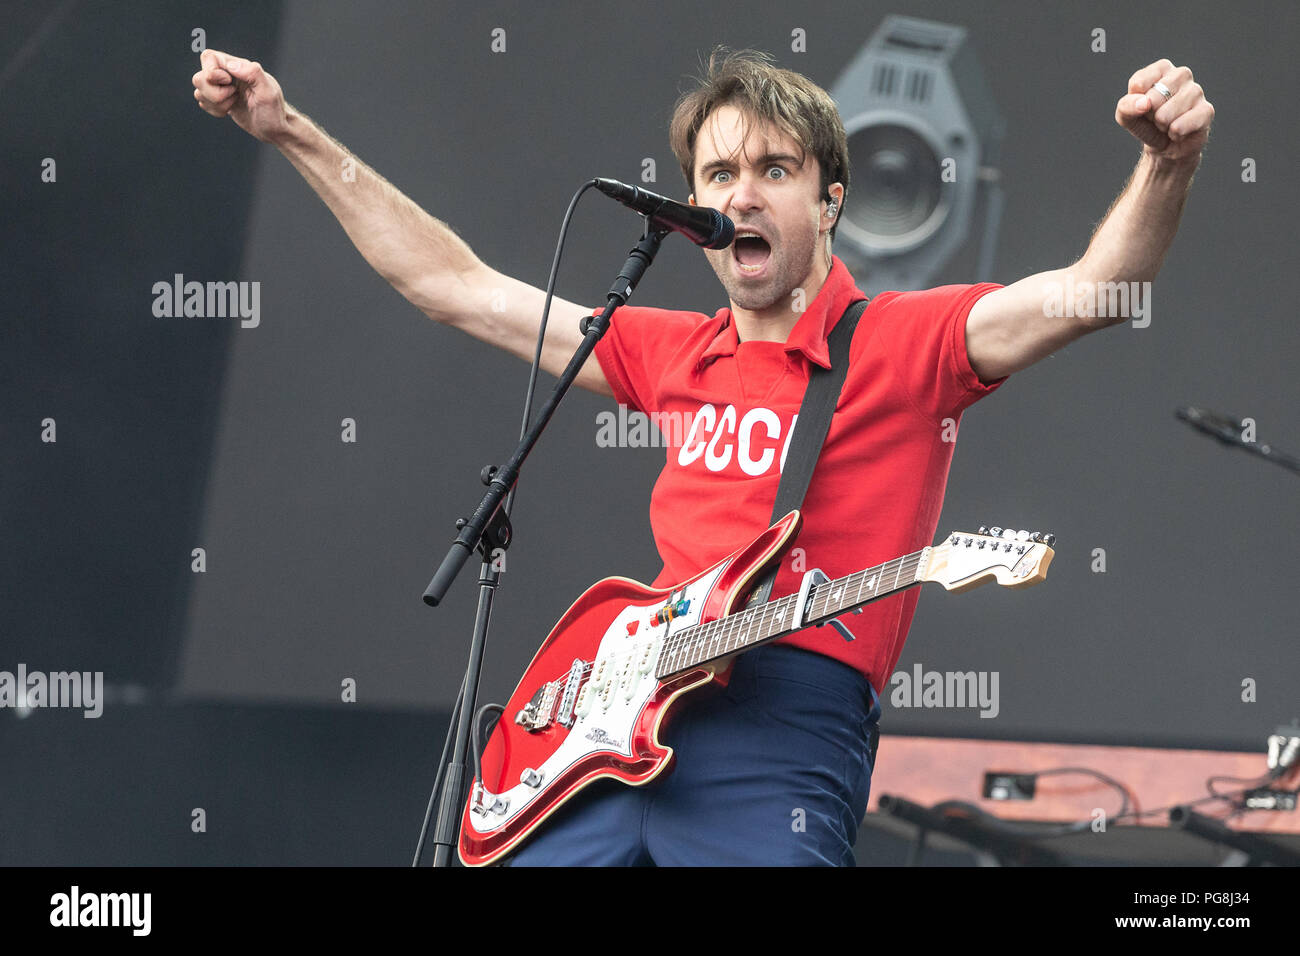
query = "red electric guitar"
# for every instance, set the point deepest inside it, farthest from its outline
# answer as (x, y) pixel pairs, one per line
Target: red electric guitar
(605, 679)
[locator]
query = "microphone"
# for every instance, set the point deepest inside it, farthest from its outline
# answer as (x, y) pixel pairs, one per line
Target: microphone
(703, 226)
(1228, 430)
(1222, 427)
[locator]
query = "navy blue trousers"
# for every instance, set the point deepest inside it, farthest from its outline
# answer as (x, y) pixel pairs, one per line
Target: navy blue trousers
(773, 771)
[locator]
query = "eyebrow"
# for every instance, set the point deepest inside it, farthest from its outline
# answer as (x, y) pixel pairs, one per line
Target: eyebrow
(767, 159)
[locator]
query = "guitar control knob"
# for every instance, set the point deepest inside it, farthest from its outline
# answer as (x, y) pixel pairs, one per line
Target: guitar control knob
(530, 778)
(982, 530)
(995, 531)
(1035, 537)
(669, 611)
(1049, 539)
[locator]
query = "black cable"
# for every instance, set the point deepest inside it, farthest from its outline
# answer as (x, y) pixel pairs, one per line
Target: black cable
(1044, 830)
(1047, 831)
(1230, 796)
(541, 329)
(523, 430)
(477, 730)
(1193, 803)
(1251, 782)
(527, 420)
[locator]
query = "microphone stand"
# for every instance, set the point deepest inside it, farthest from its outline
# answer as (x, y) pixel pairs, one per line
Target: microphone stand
(488, 531)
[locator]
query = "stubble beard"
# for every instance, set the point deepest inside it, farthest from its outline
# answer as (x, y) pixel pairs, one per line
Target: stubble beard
(789, 267)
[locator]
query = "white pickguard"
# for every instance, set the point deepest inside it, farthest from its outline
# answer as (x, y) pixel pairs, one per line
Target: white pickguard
(630, 661)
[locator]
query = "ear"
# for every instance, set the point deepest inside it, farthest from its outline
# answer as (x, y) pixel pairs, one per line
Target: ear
(836, 192)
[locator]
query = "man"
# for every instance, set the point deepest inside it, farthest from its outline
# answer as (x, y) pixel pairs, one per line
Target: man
(777, 768)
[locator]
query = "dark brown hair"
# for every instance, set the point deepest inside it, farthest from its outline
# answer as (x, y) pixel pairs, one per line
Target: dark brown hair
(748, 80)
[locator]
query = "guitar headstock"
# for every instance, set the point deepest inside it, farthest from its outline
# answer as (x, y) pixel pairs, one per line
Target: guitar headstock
(1015, 559)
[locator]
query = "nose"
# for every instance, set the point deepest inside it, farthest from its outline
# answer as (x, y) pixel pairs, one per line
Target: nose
(745, 195)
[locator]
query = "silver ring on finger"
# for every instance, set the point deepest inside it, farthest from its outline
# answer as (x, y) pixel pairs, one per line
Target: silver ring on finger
(1163, 91)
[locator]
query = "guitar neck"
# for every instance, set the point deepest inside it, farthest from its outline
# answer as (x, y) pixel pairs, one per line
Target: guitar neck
(746, 628)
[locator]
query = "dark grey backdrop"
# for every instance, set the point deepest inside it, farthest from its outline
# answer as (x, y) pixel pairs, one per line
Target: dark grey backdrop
(318, 550)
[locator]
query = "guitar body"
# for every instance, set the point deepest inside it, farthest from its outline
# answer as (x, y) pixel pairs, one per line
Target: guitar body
(606, 680)
(590, 705)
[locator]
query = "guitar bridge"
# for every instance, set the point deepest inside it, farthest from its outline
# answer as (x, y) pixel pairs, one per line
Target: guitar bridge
(538, 713)
(554, 702)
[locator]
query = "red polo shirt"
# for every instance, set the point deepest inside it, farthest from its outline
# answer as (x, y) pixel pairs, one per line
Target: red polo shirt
(728, 408)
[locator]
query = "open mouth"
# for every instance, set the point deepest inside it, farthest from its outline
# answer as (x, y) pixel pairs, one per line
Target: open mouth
(751, 252)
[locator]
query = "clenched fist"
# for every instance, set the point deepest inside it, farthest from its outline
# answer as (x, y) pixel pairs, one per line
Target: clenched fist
(1167, 111)
(228, 86)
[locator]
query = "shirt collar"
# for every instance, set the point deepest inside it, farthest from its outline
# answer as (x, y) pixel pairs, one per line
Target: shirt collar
(809, 333)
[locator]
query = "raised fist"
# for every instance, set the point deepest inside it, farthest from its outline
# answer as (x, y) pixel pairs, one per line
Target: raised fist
(1167, 111)
(228, 86)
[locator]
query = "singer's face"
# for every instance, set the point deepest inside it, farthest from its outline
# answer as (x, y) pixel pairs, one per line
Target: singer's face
(763, 180)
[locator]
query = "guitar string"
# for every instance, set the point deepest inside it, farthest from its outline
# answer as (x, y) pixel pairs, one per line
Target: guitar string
(819, 601)
(818, 605)
(719, 634)
(737, 625)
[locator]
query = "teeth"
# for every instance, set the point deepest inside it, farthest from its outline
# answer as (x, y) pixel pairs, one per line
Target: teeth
(749, 234)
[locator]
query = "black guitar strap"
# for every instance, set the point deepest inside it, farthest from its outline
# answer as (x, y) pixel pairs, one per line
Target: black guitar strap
(819, 401)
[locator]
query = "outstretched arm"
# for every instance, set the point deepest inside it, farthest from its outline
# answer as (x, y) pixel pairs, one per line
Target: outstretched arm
(422, 257)
(1012, 328)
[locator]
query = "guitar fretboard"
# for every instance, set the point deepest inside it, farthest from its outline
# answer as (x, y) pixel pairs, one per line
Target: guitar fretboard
(700, 643)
